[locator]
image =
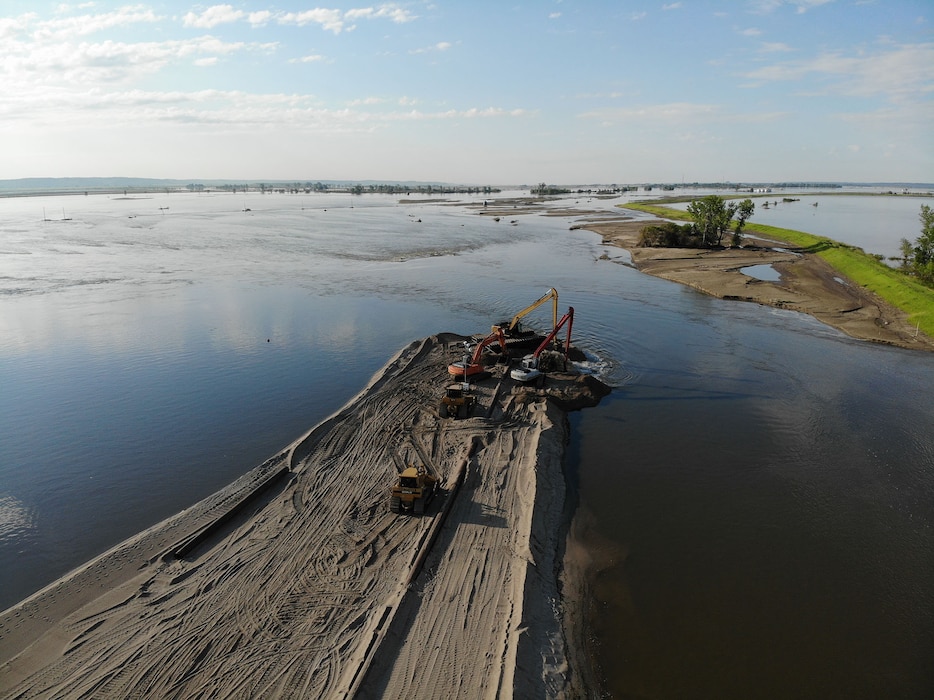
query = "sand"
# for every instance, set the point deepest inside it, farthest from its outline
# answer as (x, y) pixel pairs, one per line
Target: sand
(807, 283)
(297, 580)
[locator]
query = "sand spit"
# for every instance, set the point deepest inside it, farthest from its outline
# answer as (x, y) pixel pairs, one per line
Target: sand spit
(297, 581)
(807, 283)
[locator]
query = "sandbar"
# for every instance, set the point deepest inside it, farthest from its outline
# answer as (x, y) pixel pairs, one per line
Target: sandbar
(298, 581)
(806, 282)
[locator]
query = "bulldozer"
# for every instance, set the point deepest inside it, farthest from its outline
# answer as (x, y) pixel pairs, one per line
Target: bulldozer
(413, 491)
(457, 401)
(416, 485)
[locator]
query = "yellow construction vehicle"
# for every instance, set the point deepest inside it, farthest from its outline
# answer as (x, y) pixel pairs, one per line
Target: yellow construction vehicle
(416, 485)
(457, 401)
(513, 330)
(413, 491)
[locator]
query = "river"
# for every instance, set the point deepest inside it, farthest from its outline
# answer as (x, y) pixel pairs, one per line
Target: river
(756, 491)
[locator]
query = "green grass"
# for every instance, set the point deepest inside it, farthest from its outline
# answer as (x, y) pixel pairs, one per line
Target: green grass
(897, 289)
(660, 211)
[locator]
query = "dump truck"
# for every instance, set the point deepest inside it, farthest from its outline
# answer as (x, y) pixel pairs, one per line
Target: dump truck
(414, 490)
(457, 401)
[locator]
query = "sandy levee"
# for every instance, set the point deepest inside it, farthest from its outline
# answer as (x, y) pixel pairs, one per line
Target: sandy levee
(807, 283)
(298, 581)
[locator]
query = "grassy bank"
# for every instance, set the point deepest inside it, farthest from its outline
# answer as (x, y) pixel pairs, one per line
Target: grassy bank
(897, 289)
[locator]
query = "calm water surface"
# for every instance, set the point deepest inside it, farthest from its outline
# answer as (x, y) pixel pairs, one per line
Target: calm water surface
(756, 491)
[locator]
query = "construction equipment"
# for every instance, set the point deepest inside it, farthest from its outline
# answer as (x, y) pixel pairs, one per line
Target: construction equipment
(513, 329)
(469, 367)
(528, 368)
(416, 485)
(457, 401)
(413, 491)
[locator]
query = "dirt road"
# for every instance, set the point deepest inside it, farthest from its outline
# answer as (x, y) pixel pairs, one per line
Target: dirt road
(297, 581)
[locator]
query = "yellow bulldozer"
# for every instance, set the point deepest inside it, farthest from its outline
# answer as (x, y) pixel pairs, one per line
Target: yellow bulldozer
(416, 484)
(413, 491)
(457, 401)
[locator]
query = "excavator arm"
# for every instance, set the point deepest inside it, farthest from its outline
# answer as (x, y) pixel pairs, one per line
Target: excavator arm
(568, 318)
(495, 336)
(474, 366)
(550, 294)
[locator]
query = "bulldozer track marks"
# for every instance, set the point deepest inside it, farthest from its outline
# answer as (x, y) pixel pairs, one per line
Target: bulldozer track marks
(317, 589)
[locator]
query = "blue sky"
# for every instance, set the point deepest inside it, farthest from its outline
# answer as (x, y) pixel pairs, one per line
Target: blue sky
(473, 91)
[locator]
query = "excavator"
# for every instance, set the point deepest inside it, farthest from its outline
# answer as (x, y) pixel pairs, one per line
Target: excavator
(472, 366)
(528, 367)
(513, 331)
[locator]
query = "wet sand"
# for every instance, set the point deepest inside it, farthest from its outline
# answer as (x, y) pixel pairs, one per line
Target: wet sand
(807, 283)
(297, 580)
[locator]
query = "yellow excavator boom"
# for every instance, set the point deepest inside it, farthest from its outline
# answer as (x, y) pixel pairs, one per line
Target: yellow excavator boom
(550, 294)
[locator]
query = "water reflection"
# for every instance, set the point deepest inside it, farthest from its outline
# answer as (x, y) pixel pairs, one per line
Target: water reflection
(758, 483)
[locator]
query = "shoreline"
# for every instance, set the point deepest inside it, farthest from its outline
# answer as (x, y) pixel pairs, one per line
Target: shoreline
(807, 283)
(313, 588)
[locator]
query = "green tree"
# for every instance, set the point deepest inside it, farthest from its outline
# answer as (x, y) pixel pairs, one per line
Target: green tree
(712, 217)
(923, 253)
(743, 212)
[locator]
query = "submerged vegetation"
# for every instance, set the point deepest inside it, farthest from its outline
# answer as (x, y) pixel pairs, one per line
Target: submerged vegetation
(909, 288)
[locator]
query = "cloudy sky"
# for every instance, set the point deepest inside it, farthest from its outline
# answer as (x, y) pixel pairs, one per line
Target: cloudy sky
(470, 91)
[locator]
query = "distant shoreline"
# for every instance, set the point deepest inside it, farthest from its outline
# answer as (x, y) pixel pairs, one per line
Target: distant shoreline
(806, 283)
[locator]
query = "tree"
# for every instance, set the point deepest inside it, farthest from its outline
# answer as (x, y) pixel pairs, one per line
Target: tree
(712, 218)
(743, 212)
(918, 258)
(667, 235)
(923, 253)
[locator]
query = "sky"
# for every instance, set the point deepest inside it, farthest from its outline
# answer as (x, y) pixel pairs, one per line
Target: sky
(470, 91)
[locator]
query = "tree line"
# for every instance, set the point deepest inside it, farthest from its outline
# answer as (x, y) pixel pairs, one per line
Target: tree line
(712, 218)
(918, 257)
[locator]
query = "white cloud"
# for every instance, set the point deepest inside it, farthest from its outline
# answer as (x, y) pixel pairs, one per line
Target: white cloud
(775, 47)
(440, 46)
(801, 6)
(391, 12)
(83, 25)
(311, 58)
(672, 6)
(83, 65)
(554, 15)
(367, 101)
(336, 22)
(259, 19)
(211, 17)
(329, 20)
(903, 72)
